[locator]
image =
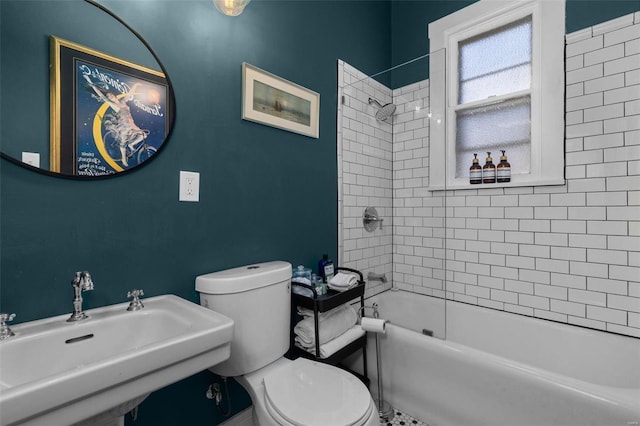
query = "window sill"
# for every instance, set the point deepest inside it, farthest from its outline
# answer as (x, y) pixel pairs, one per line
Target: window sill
(513, 184)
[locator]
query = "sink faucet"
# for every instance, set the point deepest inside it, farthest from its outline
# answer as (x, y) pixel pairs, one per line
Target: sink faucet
(81, 282)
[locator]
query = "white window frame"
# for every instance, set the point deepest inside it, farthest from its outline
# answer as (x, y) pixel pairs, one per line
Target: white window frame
(547, 89)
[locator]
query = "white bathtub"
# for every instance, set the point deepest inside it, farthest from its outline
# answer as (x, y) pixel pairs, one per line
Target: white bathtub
(497, 368)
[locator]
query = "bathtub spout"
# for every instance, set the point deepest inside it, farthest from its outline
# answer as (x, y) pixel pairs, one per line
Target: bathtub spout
(371, 276)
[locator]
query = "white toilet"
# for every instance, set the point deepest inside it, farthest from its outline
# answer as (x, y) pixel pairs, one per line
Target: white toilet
(284, 392)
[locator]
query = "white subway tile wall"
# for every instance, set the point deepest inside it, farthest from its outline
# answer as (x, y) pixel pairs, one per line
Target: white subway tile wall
(568, 253)
(364, 176)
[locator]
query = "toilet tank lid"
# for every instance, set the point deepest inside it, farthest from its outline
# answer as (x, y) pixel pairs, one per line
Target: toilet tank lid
(244, 278)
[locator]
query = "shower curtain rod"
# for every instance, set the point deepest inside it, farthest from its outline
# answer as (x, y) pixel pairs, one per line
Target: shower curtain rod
(392, 68)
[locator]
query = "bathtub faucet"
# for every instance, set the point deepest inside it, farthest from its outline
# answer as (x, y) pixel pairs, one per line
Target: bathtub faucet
(371, 276)
(81, 282)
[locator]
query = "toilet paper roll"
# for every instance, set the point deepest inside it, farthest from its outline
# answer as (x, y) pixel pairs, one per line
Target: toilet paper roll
(375, 325)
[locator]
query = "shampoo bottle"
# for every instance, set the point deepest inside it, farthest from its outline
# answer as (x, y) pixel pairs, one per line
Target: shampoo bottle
(503, 169)
(475, 171)
(489, 170)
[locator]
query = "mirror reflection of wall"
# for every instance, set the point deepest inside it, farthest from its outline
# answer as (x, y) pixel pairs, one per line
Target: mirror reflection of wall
(26, 28)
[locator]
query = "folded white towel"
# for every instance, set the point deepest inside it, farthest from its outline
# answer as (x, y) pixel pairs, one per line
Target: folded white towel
(333, 345)
(340, 289)
(306, 312)
(341, 282)
(330, 325)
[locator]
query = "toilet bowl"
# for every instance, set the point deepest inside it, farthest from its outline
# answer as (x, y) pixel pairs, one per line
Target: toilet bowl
(284, 392)
(308, 393)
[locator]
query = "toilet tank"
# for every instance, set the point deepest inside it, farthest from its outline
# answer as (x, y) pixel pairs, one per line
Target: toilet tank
(258, 299)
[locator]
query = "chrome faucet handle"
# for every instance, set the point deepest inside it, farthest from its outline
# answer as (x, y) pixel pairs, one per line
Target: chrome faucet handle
(136, 303)
(88, 285)
(371, 220)
(5, 331)
(83, 281)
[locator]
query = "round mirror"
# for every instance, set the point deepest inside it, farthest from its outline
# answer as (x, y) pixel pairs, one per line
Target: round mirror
(83, 95)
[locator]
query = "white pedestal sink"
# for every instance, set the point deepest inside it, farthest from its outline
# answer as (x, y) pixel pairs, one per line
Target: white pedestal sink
(53, 372)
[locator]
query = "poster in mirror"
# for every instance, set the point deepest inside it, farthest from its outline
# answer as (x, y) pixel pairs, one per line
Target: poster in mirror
(108, 115)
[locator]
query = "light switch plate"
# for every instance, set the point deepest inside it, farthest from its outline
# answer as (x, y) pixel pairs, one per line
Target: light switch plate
(31, 158)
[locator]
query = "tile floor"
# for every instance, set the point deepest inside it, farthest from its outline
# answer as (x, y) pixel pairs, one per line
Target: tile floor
(401, 419)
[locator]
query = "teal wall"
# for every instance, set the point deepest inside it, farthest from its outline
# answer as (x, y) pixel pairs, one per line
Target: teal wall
(265, 193)
(586, 13)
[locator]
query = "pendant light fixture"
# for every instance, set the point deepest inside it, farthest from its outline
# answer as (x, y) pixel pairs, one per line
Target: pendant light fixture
(231, 7)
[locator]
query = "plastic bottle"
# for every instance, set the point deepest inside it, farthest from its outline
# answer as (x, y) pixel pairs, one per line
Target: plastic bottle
(325, 268)
(503, 170)
(489, 170)
(475, 171)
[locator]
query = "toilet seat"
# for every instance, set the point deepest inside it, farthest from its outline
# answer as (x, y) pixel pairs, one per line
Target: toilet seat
(309, 393)
(284, 422)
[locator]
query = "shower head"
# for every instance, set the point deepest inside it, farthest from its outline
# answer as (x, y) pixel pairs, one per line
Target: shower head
(384, 111)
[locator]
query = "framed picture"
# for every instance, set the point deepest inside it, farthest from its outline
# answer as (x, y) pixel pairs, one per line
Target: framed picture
(271, 100)
(107, 114)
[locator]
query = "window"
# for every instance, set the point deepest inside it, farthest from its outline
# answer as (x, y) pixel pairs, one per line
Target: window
(489, 92)
(494, 96)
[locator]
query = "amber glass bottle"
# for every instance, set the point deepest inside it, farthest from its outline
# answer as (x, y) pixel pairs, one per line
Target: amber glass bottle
(475, 171)
(503, 171)
(489, 170)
